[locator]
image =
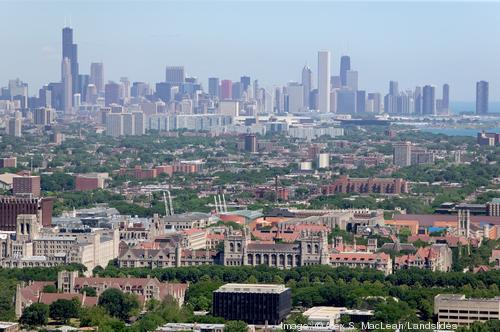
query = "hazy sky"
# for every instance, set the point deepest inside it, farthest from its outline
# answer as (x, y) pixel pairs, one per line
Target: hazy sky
(415, 43)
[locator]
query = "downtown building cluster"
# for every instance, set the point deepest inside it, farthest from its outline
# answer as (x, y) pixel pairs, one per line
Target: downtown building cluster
(180, 101)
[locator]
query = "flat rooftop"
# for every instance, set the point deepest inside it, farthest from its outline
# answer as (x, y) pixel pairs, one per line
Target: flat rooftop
(462, 298)
(252, 288)
(324, 312)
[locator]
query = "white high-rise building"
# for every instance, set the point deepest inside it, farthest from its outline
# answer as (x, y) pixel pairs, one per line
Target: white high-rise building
(402, 154)
(97, 76)
(114, 124)
(138, 123)
(307, 84)
(125, 88)
(324, 81)
(323, 160)
(67, 86)
(128, 124)
(295, 92)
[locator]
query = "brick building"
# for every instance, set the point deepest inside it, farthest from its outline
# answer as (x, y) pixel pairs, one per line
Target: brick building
(11, 207)
(26, 185)
(345, 184)
(8, 162)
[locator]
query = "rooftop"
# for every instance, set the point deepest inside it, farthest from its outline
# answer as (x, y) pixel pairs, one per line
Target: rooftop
(252, 288)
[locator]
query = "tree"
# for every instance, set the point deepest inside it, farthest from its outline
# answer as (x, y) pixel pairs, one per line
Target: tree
(89, 291)
(49, 289)
(236, 326)
(118, 304)
(294, 322)
(62, 310)
(35, 315)
(97, 316)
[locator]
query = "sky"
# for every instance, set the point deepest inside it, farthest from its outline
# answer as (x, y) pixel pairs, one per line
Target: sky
(414, 43)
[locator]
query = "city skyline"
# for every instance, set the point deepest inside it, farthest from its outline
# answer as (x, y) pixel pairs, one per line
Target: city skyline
(184, 46)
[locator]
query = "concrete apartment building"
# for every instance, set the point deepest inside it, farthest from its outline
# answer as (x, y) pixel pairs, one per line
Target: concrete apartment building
(457, 309)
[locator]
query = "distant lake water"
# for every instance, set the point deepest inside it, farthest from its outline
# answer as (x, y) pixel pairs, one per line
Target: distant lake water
(458, 131)
(458, 107)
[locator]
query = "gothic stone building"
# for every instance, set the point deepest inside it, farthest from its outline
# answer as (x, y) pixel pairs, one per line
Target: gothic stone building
(309, 249)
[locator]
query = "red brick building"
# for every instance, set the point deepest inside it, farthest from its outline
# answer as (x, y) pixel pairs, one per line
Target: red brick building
(92, 181)
(26, 185)
(345, 184)
(11, 207)
(8, 162)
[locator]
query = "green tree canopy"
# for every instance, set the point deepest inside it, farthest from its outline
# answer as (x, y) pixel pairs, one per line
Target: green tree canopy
(119, 304)
(36, 314)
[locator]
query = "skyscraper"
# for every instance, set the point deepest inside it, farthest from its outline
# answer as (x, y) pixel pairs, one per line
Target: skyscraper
(97, 76)
(226, 89)
(67, 82)
(125, 88)
(417, 96)
(345, 65)
(70, 51)
(346, 101)
(236, 90)
(164, 91)
(446, 98)
(295, 93)
(324, 81)
(352, 80)
(213, 86)
(375, 96)
(482, 96)
(402, 154)
(245, 83)
(429, 100)
(83, 82)
(112, 93)
(360, 101)
(393, 88)
(175, 74)
(307, 85)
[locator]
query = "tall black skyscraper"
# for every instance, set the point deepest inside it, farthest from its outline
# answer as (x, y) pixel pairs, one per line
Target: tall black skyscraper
(345, 65)
(482, 96)
(245, 82)
(70, 51)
